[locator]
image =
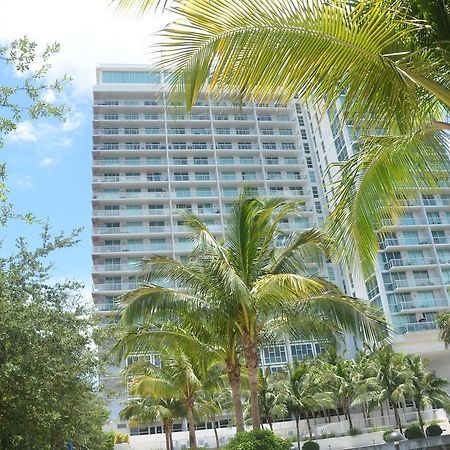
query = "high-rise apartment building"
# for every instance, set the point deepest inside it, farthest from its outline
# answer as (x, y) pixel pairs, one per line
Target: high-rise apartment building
(152, 161)
(412, 276)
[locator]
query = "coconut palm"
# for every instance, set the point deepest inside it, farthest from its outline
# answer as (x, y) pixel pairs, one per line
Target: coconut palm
(302, 393)
(270, 401)
(443, 323)
(213, 404)
(183, 375)
(394, 377)
(390, 57)
(142, 411)
(255, 280)
(426, 387)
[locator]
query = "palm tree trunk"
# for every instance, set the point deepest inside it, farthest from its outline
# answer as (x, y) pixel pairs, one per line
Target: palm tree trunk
(166, 433)
(191, 424)
(347, 412)
(251, 362)
(309, 425)
(270, 424)
(297, 426)
(215, 433)
(234, 378)
(171, 440)
(397, 418)
(420, 417)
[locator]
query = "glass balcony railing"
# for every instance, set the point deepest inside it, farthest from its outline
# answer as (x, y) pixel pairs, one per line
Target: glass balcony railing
(404, 242)
(417, 326)
(420, 304)
(413, 282)
(130, 248)
(409, 262)
(116, 267)
(107, 287)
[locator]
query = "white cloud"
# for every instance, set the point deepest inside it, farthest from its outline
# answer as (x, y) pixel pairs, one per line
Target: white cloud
(90, 33)
(48, 162)
(74, 121)
(25, 131)
(21, 181)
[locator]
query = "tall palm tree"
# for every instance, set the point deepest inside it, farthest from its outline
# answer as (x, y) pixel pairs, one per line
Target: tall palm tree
(145, 410)
(394, 377)
(270, 401)
(303, 393)
(426, 387)
(182, 375)
(390, 57)
(256, 280)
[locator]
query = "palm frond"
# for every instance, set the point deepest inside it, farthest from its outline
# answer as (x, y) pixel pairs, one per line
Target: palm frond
(269, 50)
(372, 185)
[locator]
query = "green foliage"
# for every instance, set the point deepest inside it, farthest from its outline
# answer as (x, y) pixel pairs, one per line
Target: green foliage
(258, 440)
(310, 445)
(433, 430)
(414, 432)
(108, 440)
(121, 438)
(386, 434)
(47, 358)
(354, 431)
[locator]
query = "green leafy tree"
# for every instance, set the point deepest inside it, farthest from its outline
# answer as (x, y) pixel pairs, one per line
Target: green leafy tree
(143, 411)
(256, 281)
(48, 365)
(24, 99)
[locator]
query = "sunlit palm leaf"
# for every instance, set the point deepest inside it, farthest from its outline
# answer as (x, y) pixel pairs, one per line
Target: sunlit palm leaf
(280, 49)
(373, 184)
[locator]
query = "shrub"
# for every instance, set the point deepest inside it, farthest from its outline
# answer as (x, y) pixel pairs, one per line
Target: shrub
(310, 445)
(121, 438)
(386, 434)
(108, 440)
(414, 432)
(433, 430)
(258, 440)
(354, 431)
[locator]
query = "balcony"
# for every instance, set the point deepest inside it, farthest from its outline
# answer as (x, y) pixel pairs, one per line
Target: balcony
(132, 230)
(131, 147)
(404, 222)
(115, 268)
(417, 327)
(131, 248)
(114, 287)
(404, 242)
(420, 304)
(416, 282)
(404, 262)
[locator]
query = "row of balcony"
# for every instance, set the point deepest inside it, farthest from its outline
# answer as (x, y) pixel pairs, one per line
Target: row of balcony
(245, 162)
(396, 242)
(162, 212)
(199, 103)
(192, 146)
(417, 222)
(409, 262)
(142, 248)
(189, 132)
(120, 230)
(116, 178)
(194, 117)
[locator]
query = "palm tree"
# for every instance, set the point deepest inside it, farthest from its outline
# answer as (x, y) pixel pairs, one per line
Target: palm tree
(255, 281)
(270, 401)
(426, 387)
(303, 393)
(394, 377)
(211, 405)
(443, 323)
(146, 410)
(390, 57)
(183, 375)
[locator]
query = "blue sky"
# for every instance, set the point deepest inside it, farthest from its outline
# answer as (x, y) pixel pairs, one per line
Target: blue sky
(49, 162)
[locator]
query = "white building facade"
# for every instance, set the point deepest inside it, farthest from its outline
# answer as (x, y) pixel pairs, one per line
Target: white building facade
(151, 161)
